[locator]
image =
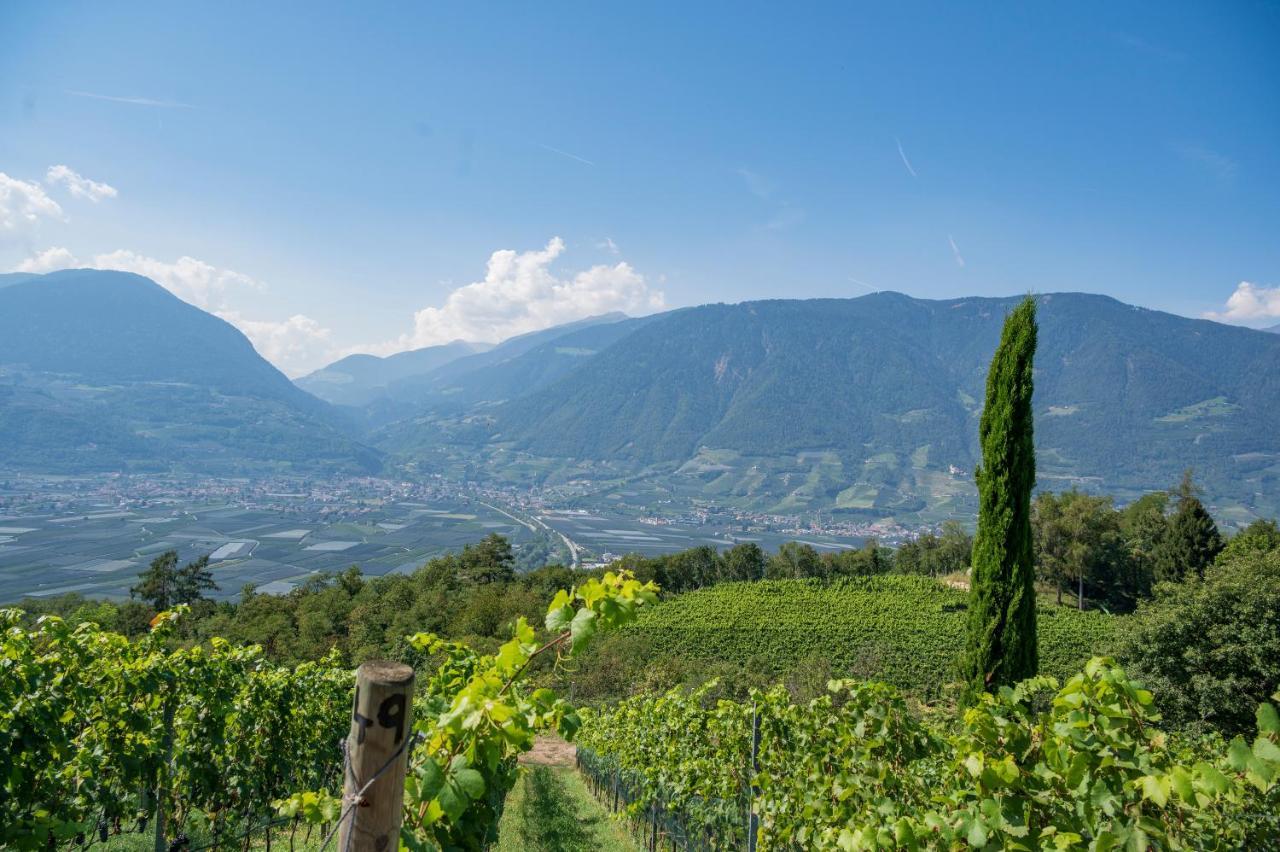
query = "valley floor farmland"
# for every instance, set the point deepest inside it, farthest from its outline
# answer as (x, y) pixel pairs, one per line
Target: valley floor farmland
(72, 536)
(603, 534)
(94, 535)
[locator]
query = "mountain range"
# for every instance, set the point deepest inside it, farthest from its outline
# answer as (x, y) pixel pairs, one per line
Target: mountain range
(460, 374)
(360, 379)
(865, 406)
(872, 401)
(103, 370)
(870, 406)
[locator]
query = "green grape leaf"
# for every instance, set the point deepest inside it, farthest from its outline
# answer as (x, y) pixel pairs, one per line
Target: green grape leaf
(582, 628)
(1155, 789)
(1268, 719)
(470, 782)
(452, 800)
(430, 778)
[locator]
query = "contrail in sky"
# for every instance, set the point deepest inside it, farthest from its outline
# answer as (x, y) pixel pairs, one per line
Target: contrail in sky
(955, 249)
(903, 155)
(150, 102)
(566, 154)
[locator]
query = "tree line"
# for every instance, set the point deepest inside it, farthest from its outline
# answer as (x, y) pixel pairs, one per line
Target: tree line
(1082, 543)
(1186, 635)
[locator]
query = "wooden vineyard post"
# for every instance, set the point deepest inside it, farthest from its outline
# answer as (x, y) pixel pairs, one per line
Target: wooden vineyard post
(377, 757)
(753, 819)
(160, 844)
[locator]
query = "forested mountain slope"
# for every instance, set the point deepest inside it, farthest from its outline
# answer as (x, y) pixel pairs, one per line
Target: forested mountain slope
(872, 403)
(104, 370)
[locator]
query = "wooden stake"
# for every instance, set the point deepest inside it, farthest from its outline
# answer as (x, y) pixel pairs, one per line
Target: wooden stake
(381, 725)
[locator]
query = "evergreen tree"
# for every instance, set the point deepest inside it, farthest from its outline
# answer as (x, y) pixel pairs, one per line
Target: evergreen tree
(1192, 541)
(158, 584)
(193, 580)
(164, 584)
(1001, 643)
(490, 561)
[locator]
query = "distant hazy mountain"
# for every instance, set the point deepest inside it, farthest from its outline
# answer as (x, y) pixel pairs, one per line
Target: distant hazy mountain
(8, 278)
(1275, 329)
(104, 370)
(453, 376)
(515, 367)
(872, 403)
(360, 379)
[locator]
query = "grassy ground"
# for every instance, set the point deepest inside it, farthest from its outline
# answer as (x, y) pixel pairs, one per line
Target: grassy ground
(551, 810)
(145, 842)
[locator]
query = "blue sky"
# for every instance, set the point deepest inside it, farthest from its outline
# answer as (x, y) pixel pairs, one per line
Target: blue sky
(334, 177)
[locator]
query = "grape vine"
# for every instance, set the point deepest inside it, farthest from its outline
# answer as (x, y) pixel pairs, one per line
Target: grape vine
(473, 718)
(1036, 766)
(900, 629)
(97, 732)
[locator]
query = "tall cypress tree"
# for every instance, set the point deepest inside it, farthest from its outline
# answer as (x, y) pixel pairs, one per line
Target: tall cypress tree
(1001, 646)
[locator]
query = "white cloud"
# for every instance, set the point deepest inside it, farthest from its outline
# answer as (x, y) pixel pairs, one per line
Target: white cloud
(1250, 303)
(1220, 166)
(78, 185)
(24, 203)
(50, 260)
(757, 184)
(786, 217)
(608, 245)
(202, 284)
(297, 345)
(955, 251)
(521, 293)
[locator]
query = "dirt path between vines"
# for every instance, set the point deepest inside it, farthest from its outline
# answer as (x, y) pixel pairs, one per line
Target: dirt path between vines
(549, 750)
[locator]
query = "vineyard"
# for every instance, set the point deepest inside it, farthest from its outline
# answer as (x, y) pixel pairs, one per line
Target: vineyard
(1037, 766)
(100, 735)
(212, 745)
(899, 629)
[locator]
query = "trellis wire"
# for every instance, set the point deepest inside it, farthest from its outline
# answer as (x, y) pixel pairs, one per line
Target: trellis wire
(662, 825)
(105, 829)
(353, 800)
